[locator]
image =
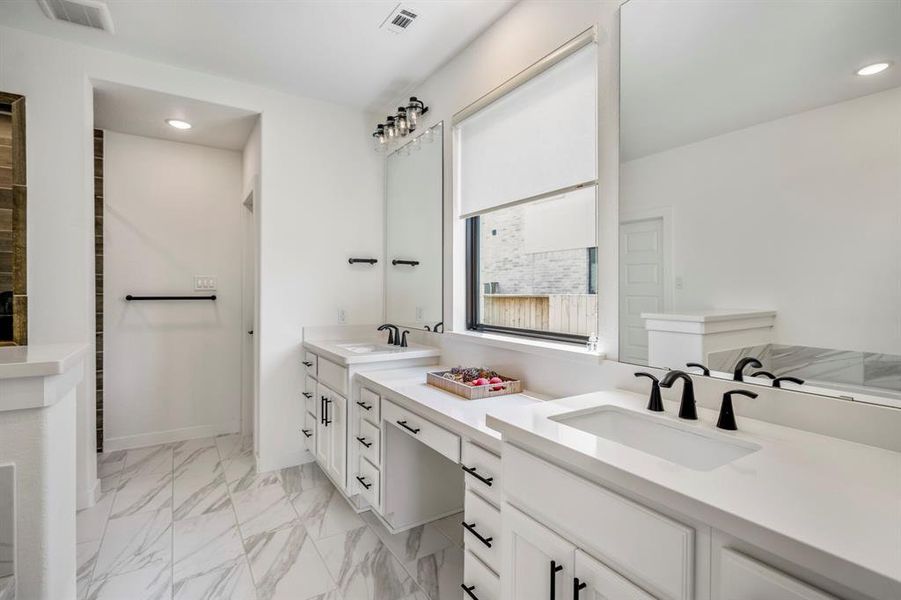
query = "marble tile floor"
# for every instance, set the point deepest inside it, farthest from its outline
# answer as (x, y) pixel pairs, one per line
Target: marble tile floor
(194, 521)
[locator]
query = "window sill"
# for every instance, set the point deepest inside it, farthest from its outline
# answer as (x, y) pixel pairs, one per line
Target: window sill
(571, 352)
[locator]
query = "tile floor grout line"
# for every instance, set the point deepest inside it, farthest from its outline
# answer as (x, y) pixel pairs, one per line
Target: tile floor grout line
(231, 502)
(103, 534)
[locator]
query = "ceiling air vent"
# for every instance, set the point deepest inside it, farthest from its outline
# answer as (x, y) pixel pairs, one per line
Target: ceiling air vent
(87, 13)
(399, 20)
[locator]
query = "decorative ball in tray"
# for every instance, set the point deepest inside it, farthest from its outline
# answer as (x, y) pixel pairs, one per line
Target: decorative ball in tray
(474, 383)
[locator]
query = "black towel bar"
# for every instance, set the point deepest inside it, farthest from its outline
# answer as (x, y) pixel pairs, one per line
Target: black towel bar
(412, 263)
(370, 261)
(130, 298)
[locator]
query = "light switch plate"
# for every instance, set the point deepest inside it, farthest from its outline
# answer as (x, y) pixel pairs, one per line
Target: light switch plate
(204, 283)
(342, 315)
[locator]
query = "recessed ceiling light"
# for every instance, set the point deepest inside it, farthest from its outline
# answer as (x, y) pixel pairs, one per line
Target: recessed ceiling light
(178, 124)
(874, 68)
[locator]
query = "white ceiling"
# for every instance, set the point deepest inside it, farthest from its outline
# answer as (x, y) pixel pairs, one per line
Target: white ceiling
(693, 69)
(331, 50)
(143, 112)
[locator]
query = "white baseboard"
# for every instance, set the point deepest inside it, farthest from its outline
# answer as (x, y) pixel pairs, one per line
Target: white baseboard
(285, 460)
(141, 440)
(88, 496)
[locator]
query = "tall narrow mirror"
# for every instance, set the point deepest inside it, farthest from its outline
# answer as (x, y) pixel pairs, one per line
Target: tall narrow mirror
(760, 197)
(414, 206)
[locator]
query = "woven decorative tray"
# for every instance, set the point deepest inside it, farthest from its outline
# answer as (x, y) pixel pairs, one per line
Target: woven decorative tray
(474, 392)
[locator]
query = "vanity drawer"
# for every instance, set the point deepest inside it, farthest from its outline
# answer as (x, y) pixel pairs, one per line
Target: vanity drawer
(743, 578)
(369, 406)
(308, 431)
(434, 436)
(620, 532)
(483, 472)
(368, 480)
(334, 376)
(310, 363)
(368, 442)
(481, 581)
(309, 394)
(482, 530)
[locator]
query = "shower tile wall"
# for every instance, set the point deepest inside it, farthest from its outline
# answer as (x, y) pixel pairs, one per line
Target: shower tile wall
(98, 275)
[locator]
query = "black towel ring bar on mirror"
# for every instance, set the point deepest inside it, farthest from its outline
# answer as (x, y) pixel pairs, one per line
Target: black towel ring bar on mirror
(131, 298)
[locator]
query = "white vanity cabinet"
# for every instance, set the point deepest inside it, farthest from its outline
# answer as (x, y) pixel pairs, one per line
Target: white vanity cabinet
(740, 577)
(331, 433)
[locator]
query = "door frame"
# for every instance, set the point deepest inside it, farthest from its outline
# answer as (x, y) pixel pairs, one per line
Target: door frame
(250, 299)
(665, 215)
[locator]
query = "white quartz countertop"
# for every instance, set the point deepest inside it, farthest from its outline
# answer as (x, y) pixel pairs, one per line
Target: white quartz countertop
(333, 350)
(840, 499)
(709, 315)
(39, 360)
(465, 417)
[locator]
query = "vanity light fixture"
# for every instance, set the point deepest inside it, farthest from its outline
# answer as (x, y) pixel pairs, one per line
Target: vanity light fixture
(399, 125)
(178, 124)
(873, 69)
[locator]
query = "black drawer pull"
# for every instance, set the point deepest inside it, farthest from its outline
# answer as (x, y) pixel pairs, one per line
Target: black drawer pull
(363, 441)
(364, 406)
(307, 432)
(578, 586)
(307, 395)
(322, 400)
(307, 363)
(472, 471)
(471, 528)
(363, 482)
(408, 428)
(468, 589)
(555, 568)
(325, 402)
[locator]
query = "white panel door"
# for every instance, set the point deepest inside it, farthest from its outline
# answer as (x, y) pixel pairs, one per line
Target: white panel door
(537, 563)
(596, 581)
(640, 284)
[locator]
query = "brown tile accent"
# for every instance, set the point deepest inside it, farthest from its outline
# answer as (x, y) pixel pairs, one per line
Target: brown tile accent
(20, 320)
(98, 278)
(20, 242)
(6, 198)
(18, 149)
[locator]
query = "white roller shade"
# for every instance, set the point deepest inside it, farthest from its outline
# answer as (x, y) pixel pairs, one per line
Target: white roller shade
(563, 222)
(539, 138)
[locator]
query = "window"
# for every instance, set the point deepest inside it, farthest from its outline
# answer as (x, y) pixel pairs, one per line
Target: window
(526, 183)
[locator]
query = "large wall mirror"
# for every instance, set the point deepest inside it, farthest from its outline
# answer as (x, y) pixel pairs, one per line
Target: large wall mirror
(414, 206)
(760, 206)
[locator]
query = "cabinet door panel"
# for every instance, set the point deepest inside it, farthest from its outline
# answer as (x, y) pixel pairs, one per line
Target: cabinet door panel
(322, 437)
(743, 578)
(337, 432)
(602, 583)
(537, 562)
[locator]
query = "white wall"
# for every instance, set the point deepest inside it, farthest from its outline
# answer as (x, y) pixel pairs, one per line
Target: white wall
(800, 215)
(528, 32)
(172, 211)
(323, 200)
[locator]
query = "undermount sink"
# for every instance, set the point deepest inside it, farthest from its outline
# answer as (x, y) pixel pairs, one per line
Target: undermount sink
(698, 450)
(369, 348)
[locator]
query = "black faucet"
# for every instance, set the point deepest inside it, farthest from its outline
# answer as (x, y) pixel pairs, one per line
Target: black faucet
(703, 368)
(727, 414)
(403, 339)
(393, 333)
(687, 409)
(740, 366)
(777, 382)
(655, 402)
(766, 374)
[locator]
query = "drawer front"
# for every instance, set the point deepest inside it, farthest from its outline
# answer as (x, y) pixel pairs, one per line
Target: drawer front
(310, 363)
(620, 532)
(368, 442)
(479, 580)
(309, 431)
(334, 376)
(369, 406)
(434, 436)
(309, 394)
(743, 578)
(368, 482)
(482, 532)
(483, 472)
